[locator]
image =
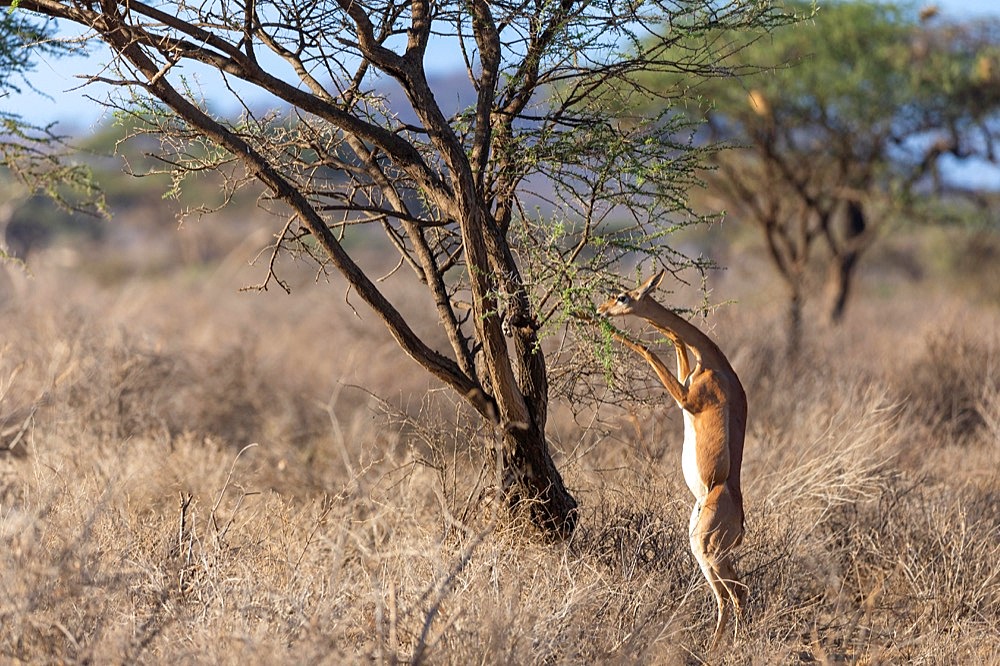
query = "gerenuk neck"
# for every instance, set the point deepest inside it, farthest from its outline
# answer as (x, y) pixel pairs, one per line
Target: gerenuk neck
(670, 322)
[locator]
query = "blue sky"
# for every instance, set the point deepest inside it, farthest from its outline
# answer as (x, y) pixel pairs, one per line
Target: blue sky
(62, 100)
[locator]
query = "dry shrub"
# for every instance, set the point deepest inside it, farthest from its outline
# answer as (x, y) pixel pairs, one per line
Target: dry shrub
(163, 361)
(801, 484)
(989, 410)
(783, 391)
(132, 391)
(948, 566)
(945, 386)
(126, 578)
(970, 261)
(851, 558)
(118, 387)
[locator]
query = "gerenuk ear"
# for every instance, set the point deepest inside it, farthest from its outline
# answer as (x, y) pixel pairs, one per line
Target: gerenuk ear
(649, 285)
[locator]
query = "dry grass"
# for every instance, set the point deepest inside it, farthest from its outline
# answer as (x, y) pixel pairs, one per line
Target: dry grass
(188, 475)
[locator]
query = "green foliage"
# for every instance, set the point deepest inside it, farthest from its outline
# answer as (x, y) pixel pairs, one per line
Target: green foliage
(40, 161)
(844, 119)
(606, 351)
(620, 192)
(870, 87)
(845, 66)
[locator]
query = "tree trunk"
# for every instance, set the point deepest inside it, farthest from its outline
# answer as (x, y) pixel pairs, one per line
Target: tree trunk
(531, 478)
(839, 280)
(532, 482)
(793, 324)
(840, 276)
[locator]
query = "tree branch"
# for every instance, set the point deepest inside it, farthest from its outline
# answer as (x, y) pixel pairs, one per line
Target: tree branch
(441, 367)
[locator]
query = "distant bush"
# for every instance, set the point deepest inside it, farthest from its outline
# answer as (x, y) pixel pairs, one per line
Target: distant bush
(969, 261)
(944, 386)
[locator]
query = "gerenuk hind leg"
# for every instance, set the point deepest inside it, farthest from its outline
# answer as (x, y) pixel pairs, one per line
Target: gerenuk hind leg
(715, 531)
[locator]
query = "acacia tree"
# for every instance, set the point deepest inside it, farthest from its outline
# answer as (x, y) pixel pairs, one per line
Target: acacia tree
(864, 104)
(448, 189)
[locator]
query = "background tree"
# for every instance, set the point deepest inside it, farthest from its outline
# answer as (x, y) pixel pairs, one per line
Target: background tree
(35, 155)
(865, 104)
(517, 202)
(15, 32)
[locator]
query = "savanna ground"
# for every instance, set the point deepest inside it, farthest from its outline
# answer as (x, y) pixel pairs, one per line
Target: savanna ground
(191, 474)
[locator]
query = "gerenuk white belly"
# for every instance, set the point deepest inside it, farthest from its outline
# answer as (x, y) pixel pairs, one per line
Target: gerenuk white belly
(689, 459)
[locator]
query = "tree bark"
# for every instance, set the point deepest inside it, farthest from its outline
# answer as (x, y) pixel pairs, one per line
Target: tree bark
(525, 452)
(518, 383)
(532, 482)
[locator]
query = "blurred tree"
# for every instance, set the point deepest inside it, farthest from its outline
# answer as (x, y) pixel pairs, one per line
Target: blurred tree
(14, 62)
(510, 209)
(864, 105)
